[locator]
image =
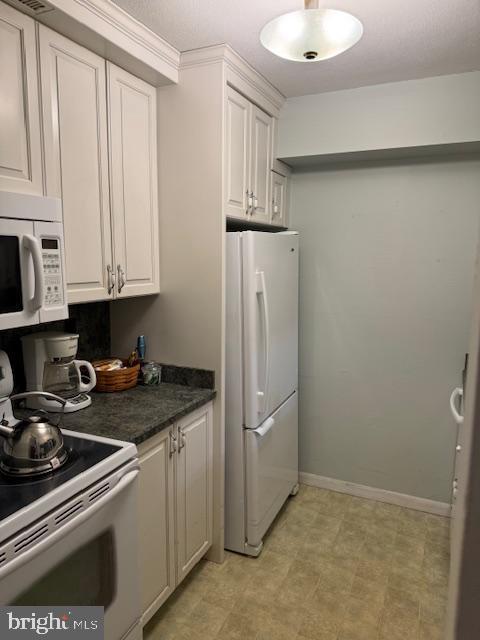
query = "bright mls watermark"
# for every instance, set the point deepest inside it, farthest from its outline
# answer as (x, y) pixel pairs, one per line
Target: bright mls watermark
(55, 623)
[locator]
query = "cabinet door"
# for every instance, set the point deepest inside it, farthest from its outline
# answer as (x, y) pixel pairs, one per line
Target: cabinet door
(278, 214)
(133, 167)
(76, 160)
(261, 164)
(194, 489)
(156, 522)
(237, 155)
(20, 146)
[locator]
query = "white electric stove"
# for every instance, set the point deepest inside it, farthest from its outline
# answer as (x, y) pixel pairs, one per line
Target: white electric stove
(69, 538)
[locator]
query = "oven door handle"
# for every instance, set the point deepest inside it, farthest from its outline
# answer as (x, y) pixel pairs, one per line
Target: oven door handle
(82, 517)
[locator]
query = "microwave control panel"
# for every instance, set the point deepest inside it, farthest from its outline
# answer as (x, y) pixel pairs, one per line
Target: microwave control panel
(52, 270)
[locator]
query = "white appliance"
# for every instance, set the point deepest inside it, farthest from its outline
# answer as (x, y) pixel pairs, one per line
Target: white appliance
(32, 260)
(50, 365)
(70, 537)
(261, 418)
(457, 404)
(77, 544)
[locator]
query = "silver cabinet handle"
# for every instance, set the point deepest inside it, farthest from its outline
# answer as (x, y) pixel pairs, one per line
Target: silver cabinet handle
(173, 443)
(249, 202)
(121, 278)
(255, 201)
(110, 279)
(182, 439)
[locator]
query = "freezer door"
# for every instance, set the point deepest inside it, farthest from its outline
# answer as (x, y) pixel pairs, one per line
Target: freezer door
(271, 467)
(270, 294)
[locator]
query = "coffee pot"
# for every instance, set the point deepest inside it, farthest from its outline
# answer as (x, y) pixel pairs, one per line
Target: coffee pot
(63, 377)
(50, 366)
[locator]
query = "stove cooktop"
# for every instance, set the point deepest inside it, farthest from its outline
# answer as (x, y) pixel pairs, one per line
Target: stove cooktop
(16, 493)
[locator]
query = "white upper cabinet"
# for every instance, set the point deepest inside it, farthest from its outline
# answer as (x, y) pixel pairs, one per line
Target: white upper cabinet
(237, 168)
(20, 142)
(133, 180)
(101, 159)
(261, 164)
(76, 160)
(248, 159)
(278, 215)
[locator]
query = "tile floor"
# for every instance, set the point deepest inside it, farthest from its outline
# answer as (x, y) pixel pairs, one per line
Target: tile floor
(334, 567)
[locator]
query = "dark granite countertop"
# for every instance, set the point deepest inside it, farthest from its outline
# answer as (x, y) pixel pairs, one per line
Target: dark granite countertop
(137, 414)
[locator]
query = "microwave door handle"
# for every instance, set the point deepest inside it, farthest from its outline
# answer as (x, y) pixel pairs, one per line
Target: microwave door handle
(49, 541)
(32, 245)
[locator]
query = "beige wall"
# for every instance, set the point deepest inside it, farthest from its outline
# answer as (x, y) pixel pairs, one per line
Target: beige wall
(430, 111)
(386, 268)
(184, 324)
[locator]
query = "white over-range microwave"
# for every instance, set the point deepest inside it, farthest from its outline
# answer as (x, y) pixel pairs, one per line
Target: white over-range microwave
(32, 260)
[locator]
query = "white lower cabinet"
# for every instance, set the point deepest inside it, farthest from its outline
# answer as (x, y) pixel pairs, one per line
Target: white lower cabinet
(175, 516)
(193, 490)
(156, 520)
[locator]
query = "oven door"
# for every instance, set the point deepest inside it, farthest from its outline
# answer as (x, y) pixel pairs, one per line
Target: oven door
(21, 274)
(91, 560)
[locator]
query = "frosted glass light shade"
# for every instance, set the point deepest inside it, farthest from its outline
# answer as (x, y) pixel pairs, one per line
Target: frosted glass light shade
(308, 35)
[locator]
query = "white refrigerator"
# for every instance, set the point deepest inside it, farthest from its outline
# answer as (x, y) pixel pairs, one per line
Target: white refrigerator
(261, 412)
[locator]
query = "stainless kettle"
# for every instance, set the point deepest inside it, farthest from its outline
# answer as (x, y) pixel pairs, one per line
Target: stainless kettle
(33, 446)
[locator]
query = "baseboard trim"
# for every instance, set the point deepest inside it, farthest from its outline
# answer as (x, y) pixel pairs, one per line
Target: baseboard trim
(372, 493)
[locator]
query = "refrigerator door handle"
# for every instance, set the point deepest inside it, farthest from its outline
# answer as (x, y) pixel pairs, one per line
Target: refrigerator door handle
(262, 291)
(456, 393)
(264, 428)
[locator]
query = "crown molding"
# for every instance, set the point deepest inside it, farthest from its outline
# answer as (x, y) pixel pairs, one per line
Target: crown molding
(239, 74)
(116, 31)
(133, 29)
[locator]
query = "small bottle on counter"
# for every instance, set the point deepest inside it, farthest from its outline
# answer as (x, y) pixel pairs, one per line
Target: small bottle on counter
(141, 348)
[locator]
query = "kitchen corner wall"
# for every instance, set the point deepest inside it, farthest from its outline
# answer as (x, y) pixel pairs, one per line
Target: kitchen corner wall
(90, 321)
(387, 262)
(414, 113)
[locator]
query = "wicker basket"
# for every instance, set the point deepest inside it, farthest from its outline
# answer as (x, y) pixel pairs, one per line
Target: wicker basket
(117, 380)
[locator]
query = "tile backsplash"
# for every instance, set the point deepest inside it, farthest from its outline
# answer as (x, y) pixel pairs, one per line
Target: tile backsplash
(91, 321)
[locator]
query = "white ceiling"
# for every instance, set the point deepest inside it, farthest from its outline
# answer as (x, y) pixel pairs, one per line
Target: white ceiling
(403, 39)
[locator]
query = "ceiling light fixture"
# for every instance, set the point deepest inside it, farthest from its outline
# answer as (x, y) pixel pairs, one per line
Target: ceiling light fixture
(311, 34)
